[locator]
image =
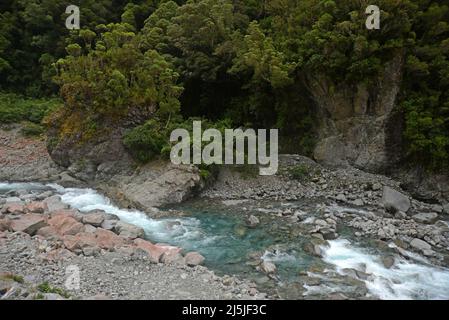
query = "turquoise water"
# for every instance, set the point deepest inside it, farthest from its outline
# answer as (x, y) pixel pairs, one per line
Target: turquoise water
(217, 230)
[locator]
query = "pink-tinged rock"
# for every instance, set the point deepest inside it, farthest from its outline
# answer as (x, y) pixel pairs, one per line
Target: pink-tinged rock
(75, 214)
(194, 259)
(65, 224)
(108, 240)
(29, 223)
(173, 257)
(36, 207)
(5, 224)
(48, 232)
(155, 252)
(13, 207)
(80, 241)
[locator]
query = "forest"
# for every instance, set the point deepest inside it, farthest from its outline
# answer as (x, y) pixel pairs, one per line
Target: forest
(151, 65)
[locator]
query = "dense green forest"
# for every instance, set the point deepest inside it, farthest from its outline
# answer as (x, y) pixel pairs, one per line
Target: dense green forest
(148, 64)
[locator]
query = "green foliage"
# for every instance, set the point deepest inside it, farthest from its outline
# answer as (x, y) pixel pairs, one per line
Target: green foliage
(300, 172)
(14, 277)
(32, 129)
(45, 287)
(15, 108)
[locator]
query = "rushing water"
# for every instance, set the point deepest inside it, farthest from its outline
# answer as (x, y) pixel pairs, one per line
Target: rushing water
(217, 230)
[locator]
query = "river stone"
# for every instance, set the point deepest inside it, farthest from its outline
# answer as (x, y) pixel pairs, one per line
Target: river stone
(268, 267)
(54, 203)
(420, 244)
(28, 223)
(194, 259)
(252, 221)
(128, 230)
(446, 208)
(394, 200)
(426, 217)
(341, 197)
(95, 219)
(388, 261)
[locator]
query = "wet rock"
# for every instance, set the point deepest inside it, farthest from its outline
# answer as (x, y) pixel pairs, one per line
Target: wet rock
(54, 203)
(194, 259)
(95, 219)
(109, 224)
(154, 252)
(337, 296)
(268, 267)
(313, 249)
(426, 217)
(252, 221)
(420, 244)
(29, 223)
(388, 261)
(394, 201)
(128, 230)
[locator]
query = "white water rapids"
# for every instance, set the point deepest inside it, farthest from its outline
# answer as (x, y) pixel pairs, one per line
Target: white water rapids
(405, 280)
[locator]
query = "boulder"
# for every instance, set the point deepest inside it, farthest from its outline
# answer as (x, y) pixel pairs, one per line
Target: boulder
(108, 240)
(36, 207)
(48, 232)
(29, 223)
(194, 259)
(155, 252)
(394, 201)
(446, 208)
(252, 221)
(341, 197)
(388, 261)
(54, 203)
(173, 257)
(420, 244)
(426, 217)
(95, 219)
(268, 267)
(65, 224)
(128, 230)
(13, 207)
(5, 224)
(109, 224)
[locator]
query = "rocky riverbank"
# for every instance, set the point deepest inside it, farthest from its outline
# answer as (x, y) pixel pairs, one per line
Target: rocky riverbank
(41, 238)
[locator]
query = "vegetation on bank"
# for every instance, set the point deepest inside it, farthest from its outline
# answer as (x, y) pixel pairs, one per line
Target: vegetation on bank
(147, 65)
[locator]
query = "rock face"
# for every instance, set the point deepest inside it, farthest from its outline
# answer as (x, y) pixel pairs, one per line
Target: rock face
(358, 125)
(394, 201)
(426, 217)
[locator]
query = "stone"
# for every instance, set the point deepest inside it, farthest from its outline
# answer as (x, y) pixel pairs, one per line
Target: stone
(420, 244)
(5, 224)
(313, 249)
(52, 296)
(13, 199)
(252, 221)
(54, 203)
(36, 207)
(394, 201)
(376, 186)
(91, 251)
(268, 267)
(48, 232)
(29, 223)
(13, 207)
(109, 224)
(194, 259)
(108, 240)
(446, 208)
(95, 219)
(155, 252)
(173, 257)
(341, 197)
(128, 230)
(437, 208)
(65, 224)
(426, 217)
(388, 261)
(89, 228)
(98, 297)
(358, 202)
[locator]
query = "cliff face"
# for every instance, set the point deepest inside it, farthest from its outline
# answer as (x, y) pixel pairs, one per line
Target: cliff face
(358, 123)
